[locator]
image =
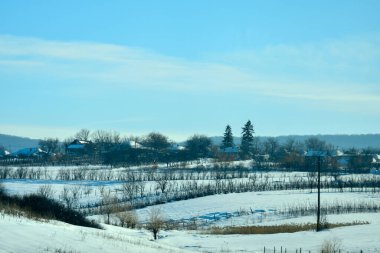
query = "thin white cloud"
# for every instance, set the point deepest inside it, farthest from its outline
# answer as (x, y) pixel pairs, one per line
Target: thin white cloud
(38, 131)
(333, 71)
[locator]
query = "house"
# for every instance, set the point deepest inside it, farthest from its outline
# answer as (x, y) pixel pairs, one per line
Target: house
(315, 153)
(30, 152)
(376, 159)
(262, 158)
(375, 164)
(4, 153)
(79, 147)
(78, 144)
(341, 160)
(229, 153)
(176, 147)
(336, 153)
(134, 144)
(230, 150)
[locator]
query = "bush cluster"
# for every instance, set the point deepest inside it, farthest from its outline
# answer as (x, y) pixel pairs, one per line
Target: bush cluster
(40, 207)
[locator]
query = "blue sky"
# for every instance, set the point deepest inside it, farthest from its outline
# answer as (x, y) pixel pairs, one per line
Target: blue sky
(186, 67)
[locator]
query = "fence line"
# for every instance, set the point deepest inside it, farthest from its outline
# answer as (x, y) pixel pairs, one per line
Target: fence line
(303, 250)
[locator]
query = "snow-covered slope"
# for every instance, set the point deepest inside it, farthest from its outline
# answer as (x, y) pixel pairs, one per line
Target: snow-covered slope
(24, 235)
(351, 239)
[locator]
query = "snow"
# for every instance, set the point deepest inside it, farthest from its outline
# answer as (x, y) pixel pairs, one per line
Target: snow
(29, 151)
(262, 204)
(23, 235)
(352, 239)
(234, 209)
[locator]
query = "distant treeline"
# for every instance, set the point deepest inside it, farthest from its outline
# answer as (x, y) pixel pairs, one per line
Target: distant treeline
(110, 148)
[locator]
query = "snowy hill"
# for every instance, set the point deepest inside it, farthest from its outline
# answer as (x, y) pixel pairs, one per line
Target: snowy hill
(19, 234)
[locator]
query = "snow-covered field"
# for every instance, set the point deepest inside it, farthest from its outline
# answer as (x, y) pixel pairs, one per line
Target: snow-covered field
(233, 209)
(21, 235)
(351, 239)
(256, 207)
(30, 236)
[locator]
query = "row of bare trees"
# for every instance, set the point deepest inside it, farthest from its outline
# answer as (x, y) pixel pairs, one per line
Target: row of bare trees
(109, 147)
(141, 194)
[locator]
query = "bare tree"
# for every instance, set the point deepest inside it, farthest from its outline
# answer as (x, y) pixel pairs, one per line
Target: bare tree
(104, 140)
(129, 218)
(68, 197)
(46, 191)
(130, 190)
(271, 147)
(311, 179)
(83, 134)
(155, 221)
(314, 143)
(50, 145)
(109, 204)
(162, 184)
(141, 188)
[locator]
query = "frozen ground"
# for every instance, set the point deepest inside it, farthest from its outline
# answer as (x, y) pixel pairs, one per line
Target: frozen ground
(264, 206)
(29, 236)
(223, 209)
(234, 209)
(352, 239)
(21, 235)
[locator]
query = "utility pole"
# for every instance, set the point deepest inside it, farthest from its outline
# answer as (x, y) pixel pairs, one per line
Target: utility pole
(318, 155)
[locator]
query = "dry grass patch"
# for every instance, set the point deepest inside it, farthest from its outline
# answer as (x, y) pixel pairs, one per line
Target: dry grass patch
(275, 229)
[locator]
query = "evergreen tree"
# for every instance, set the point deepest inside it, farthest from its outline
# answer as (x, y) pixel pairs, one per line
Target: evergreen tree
(228, 140)
(246, 146)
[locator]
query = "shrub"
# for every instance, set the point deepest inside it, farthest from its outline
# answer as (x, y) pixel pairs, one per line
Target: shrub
(331, 245)
(46, 190)
(129, 219)
(40, 207)
(2, 190)
(285, 228)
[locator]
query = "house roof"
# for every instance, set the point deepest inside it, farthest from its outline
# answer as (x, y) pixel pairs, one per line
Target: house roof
(134, 144)
(176, 146)
(336, 152)
(78, 144)
(316, 153)
(4, 152)
(29, 152)
(231, 150)
(376, 159)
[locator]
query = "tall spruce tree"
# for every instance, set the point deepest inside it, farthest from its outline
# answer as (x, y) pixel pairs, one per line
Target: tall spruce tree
(228, 140)
(246, 147)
